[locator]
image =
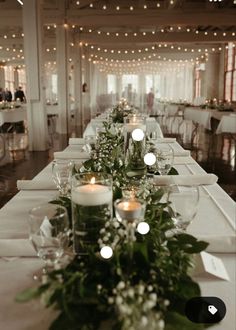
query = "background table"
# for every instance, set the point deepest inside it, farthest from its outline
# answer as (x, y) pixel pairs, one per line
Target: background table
(13, 115)
(151, 124)
(227, 124)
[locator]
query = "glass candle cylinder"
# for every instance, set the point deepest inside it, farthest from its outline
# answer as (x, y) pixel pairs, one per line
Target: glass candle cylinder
(91, 198)
(132, 122)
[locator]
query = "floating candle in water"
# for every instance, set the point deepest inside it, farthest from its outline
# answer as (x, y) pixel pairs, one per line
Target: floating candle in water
(91, 194)
(129, 210)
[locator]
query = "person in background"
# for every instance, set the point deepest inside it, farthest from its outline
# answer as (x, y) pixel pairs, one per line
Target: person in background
(84, 88)
(8, 95)
(2, 94)
(150, 100)
(19, 94)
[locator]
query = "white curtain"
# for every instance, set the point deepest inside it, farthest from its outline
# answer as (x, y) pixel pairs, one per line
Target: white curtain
(171, 82)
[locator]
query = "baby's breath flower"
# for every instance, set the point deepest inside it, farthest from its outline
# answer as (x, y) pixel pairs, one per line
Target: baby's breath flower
(119, 300)
(121, 285)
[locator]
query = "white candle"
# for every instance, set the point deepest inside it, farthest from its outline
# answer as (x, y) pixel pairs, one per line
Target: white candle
(132, 126)
(129, 210)
(91, 195)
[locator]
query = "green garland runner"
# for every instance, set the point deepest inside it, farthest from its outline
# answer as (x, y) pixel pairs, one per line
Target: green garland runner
(145, 290)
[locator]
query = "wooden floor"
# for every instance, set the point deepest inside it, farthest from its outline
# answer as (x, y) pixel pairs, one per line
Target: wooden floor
(216, 154)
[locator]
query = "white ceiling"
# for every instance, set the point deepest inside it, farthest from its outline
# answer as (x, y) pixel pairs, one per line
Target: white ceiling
(174, 28)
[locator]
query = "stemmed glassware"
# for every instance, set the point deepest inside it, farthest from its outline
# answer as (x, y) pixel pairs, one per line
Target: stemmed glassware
(62, 174)
(164, 159)
(49, 232)
(90, 143)
(183, 203)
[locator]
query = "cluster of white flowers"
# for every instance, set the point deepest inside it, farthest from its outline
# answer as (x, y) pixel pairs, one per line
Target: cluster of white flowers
(112, 233)
(135, 306)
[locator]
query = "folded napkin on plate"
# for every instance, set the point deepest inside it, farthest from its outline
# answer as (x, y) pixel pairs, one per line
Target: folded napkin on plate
(181, 153)
(165, 140)
(71, 155)
(35, 185)
(220, 244)
(76, 141)
(189, 180)
(16, 248)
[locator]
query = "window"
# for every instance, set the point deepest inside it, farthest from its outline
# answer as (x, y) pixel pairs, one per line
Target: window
(230, 73)
(130, 87)
(22, 79)
(9, 78)
(197, 83)
(111, 83)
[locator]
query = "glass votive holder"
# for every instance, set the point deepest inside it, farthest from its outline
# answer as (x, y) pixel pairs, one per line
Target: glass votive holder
(130, 210)
(91, 200)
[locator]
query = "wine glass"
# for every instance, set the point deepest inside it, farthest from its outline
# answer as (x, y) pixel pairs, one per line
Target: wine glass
(49, 232)
(90, 143)
(164, 159)
(62, 174)
(183, 204)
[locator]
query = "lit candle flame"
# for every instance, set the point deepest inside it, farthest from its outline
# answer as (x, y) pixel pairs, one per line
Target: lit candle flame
(93, 180)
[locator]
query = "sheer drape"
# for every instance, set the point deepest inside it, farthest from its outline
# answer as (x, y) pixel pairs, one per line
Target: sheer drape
(173, 83)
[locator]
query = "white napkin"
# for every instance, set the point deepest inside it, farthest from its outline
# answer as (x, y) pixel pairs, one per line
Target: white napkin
(181, 153)
(35, 185)
(189, 180)
(165, 140)
(16, 248)
(183, 160)
(76, 141)
(71, 155)
(221, 244)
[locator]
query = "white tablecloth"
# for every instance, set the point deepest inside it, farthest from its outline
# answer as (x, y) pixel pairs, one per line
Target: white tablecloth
(201, 117)
(227, 124)
(13, 115)
(151, 124)
(171, 109)
(215, 222)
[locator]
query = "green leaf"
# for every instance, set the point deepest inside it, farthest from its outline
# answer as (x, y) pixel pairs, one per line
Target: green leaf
(31, 293)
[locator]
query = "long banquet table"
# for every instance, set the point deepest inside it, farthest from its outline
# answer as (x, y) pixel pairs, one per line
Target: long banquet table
(215, 222)
(151, 124)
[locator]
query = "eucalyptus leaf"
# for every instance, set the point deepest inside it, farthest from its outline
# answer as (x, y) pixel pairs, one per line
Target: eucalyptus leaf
(31, 293)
